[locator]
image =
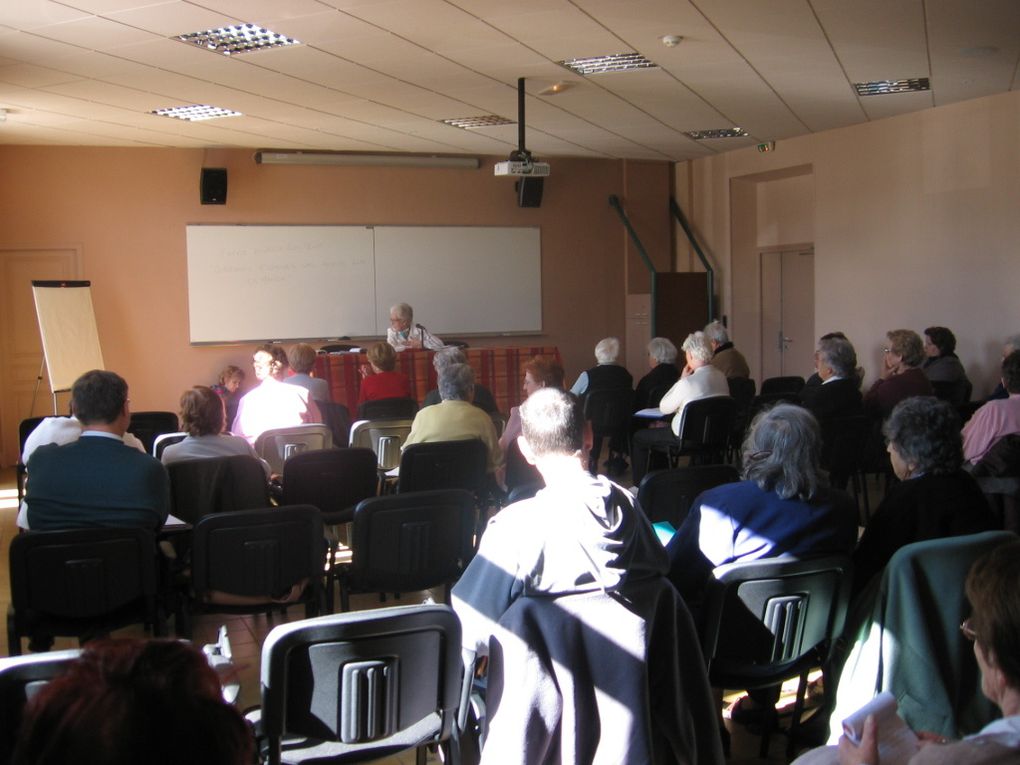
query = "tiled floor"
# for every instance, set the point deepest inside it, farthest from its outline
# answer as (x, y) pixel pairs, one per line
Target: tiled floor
(248, 632)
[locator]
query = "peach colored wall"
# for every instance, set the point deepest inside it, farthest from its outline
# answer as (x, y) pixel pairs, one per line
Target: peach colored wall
(916, 223)
(127, 209)
(786, 211)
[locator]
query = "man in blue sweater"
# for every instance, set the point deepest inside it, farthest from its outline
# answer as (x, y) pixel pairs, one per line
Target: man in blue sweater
(97, 480)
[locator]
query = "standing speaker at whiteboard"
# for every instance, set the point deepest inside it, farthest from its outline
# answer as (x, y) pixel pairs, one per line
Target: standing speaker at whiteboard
(403, 333)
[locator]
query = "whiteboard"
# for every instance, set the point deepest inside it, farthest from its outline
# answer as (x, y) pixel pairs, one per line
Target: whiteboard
(67, 325)
(463, 279)
(256, 283)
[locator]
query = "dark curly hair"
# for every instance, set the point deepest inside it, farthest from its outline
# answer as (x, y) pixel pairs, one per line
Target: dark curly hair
(942, 338)
(926, 433)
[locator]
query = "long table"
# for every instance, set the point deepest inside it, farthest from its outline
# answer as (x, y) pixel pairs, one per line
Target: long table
(498, 369)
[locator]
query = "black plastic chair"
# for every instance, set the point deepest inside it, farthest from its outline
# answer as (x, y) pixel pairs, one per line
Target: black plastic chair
(791, 385)
(408, 542)
(25, 428)
(956, 392)
(742, 390)
(20, 678)
(249, 561)
(337, 418)
(384, 437)
(337, 348)
(82, 583)
(705, 429)
(216, 485)
(844, 440)
(388, 409)
(333, 480)
(163, 440)
(609, 410)
(791, 611)
(277, 444)
(667, 495)
(145, 426)
(360, 686)
(444, 465)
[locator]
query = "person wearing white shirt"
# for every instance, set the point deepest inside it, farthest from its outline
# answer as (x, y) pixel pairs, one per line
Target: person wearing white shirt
(403, 333)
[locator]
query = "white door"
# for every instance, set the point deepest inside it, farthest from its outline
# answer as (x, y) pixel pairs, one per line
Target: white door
(20, 347)
(787, 311)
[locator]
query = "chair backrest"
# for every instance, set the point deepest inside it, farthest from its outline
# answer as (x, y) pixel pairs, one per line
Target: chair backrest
(407, 542)
(520, 472)
(582, 657)
(956, 392)
(782, 385)
(68, 582)
(216, 485)
(802, 604)
(373, 681)
(384, 437)
(667, 495)
(333, 480)
(21, 678)
(388, 409)
(742, 389)
(443, 465)
(844, 440)
(707, 422)
(163, 440)
(25, 428)
(257, 553)
(609, 409)
(145, 426)
(277, 444)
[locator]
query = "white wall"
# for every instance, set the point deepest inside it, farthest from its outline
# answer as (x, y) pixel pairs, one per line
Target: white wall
(916, 223)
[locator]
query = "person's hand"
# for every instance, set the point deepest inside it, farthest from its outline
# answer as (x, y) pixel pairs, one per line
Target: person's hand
(414, 342)
(864, 754)
(687, 371)
(926, 737)
(365, 370)
(890, 366)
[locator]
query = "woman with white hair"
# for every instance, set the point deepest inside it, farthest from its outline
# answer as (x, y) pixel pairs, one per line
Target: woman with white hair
(607, 373)
(403, 333)
(699, 379)
(663, 375)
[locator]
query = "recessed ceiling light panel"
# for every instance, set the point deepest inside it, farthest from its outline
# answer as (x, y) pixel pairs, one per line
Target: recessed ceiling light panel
(240, 38)
(195, 112)
(473, 123)
(701, 135)
(884, 87)
(614, 62)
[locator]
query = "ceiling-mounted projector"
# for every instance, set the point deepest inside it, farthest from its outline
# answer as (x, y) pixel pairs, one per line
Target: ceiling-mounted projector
(525, 168)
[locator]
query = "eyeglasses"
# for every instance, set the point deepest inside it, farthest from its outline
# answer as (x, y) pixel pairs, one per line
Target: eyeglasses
(968, 631)
(887, 350)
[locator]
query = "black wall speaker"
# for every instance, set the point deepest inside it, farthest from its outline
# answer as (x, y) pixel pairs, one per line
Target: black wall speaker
(529, 192)
(214, 186)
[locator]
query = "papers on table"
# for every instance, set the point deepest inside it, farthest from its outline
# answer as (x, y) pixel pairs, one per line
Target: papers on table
(652, 413)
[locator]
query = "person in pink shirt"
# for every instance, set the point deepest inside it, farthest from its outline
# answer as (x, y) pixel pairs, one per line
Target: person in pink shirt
(997, 418)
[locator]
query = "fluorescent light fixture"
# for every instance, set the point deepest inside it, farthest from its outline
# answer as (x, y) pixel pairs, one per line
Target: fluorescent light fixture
(613, 62)
(473, 123)
(195, 112)
(885, 87)
(354, 159)
(240, 38)
(702, 135)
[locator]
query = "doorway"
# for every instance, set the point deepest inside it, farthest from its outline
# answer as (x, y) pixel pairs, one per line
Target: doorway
(787, 279)
(20, 345)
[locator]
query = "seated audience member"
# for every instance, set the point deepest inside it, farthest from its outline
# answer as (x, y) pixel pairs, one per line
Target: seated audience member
(996, 418)
(455, 418)
(302, 362)
(132, 701)
(579, 535)
(901, 376)
(403, 333)
(781, 507)
(483, 399)
(838, 394)
(725, 357)
(202, 419)
(941, 364)
(935, 497)
(97, 480)
(994, 628)
(662, 377)
(227, 387)
(814, 379)
(540, 372)
(383, 382)
(272, 404)
(607, 373)
(699, 379)
(1012, 344)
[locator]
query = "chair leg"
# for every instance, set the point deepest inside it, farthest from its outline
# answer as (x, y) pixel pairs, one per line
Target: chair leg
(798, 711)
(13, 638)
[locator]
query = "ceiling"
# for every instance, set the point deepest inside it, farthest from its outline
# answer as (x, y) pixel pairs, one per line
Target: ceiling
(379, 75)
